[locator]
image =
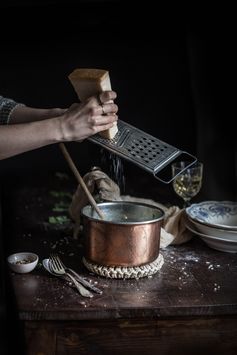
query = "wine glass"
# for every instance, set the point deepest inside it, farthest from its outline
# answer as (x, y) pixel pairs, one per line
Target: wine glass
(188, 182)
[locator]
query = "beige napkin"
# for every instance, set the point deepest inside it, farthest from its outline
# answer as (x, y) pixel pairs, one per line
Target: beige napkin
(103, 188)
(100, 186)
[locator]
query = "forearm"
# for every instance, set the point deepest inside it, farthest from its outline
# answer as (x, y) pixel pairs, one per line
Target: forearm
(25, 114)
(24, 128)
(20, 138)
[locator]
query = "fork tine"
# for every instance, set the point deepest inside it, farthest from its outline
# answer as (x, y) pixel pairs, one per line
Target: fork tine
(53, 256)
(55, 264)
(59, 261)
(51, 266)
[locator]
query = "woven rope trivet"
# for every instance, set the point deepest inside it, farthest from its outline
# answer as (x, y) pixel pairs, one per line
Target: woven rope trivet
(123, 272)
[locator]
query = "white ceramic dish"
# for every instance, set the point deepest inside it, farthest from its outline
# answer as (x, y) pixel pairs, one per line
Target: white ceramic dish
(219, 214)
(220, 244)
(22, 262)
(213, 231)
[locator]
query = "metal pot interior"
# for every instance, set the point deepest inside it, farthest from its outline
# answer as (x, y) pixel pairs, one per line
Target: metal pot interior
(121, 212)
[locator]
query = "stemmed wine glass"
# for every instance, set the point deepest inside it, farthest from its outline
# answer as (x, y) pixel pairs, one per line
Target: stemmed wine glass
(188, 182)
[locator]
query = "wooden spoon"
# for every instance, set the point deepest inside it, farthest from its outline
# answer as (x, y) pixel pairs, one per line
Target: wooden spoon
(79, 179)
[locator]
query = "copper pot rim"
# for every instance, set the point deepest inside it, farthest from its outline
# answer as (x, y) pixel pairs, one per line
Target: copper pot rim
(130, 203)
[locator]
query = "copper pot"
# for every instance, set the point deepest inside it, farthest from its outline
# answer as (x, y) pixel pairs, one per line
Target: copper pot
(129, 234)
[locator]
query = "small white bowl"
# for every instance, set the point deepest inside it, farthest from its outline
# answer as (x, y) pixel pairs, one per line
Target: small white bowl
(22, 262)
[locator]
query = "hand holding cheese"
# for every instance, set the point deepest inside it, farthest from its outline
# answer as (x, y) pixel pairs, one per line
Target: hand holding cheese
(89, 82)
(83, 120)
(41, 127)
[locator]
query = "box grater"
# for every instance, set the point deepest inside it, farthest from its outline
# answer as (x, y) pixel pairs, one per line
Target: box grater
(144, 150)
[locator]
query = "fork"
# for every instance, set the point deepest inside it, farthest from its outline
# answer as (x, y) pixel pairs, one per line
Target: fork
(79, 278)
(56, 266)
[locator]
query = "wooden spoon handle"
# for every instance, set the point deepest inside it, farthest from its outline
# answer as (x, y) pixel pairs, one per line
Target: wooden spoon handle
(79, 179)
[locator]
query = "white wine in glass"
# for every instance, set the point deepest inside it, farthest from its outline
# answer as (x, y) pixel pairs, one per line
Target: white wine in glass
(187, 183)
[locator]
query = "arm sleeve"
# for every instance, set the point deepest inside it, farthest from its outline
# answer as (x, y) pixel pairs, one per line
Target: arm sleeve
(6, 107)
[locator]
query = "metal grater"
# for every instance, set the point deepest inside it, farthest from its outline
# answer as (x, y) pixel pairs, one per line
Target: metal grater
(144, 150)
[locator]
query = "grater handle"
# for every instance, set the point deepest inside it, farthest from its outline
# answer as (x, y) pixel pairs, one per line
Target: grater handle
(165, 175)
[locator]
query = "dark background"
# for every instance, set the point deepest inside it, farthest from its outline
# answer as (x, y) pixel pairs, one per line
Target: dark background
(147, 64)
(171, 69)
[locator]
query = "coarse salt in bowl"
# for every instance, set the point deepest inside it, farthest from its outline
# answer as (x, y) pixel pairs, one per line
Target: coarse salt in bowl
(22, 262)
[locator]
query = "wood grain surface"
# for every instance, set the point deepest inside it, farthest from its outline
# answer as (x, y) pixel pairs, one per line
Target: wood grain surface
(191, 303)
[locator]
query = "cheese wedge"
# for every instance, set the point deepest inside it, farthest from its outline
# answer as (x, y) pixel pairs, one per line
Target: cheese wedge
(89, 82)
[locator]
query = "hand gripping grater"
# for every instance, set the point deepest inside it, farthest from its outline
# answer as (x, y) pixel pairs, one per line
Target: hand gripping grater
(144, 150)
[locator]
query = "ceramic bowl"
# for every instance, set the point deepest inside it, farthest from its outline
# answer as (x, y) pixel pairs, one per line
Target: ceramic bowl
(218, 214)
(213, 231)
(22, 262)
(220, 244)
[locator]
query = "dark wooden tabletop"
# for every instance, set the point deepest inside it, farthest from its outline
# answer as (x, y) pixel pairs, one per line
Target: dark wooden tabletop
(195, 280)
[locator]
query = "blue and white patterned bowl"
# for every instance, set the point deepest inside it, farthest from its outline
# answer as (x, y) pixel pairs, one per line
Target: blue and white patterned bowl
(218, 214)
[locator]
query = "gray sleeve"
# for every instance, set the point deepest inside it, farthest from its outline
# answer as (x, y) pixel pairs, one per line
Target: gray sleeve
(6, 107)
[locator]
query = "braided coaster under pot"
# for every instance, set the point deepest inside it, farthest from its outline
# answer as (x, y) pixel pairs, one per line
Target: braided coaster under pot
(123, 272)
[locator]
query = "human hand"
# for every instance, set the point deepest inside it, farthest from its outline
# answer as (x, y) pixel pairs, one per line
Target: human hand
(96, 114)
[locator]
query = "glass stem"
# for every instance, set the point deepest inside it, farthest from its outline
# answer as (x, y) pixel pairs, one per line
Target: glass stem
(186, 203)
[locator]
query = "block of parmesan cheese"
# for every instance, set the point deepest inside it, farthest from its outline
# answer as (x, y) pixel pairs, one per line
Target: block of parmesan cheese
(89, 82)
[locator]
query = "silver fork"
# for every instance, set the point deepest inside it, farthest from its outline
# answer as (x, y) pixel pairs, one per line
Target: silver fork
(56, 266)
(79, 278)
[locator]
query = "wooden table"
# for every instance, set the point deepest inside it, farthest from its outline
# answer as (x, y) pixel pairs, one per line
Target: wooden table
(188, 307)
